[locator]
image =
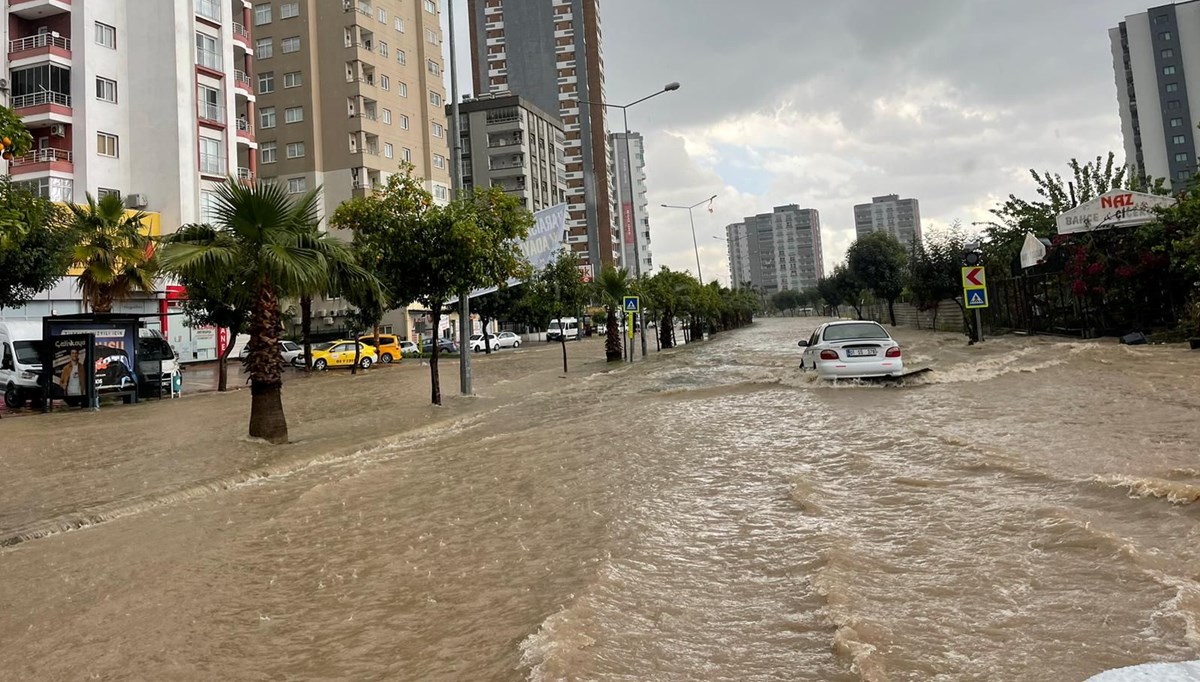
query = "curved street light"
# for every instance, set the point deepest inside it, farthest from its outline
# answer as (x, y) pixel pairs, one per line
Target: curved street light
(692, 220)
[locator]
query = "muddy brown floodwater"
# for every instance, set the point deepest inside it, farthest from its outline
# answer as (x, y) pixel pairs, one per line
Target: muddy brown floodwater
(1029, 511)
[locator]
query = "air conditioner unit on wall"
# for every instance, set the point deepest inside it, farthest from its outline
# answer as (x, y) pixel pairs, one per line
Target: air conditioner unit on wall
(58, 130)
(329, 320)
(137, 200)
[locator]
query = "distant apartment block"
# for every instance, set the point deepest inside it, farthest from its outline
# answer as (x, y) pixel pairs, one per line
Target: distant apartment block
(548, 52)
(508, 142)
(1157, 65)
(629, 161)
(776, 251)
(900, 218)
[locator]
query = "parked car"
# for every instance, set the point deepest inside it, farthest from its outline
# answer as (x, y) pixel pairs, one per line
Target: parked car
(389, 347)
(446, 346)
(341, 354)
(479, 344)
(566, 328)
(508, 340)
(852, 350)
(289, 350)
(409, 348)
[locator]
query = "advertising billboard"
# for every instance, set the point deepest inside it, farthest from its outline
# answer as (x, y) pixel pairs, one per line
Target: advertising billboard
(70, 372)
(546, 238)
(114, 348)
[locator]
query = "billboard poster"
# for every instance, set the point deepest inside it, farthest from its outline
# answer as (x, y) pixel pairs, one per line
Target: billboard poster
(546, 238)
(71, 369)
(627, 215)
(113, 350)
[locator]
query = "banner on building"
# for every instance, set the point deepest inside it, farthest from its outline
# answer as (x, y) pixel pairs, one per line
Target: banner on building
(546, 238)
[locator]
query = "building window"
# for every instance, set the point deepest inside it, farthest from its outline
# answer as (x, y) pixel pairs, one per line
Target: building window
(208, 207)
(439, 161)
(262, 14)
(431, 36)
(1183, 175)
(388, 150)
(293, 79)
(266, 117)
(263, 48)
(54, 189)
(402, 88)
(1179, 139)
(381, 14)
(107, 145)
(297, 185)
(209, 9)
(1172, 87)
(404, 121)
(406, 154)
(102, 192)
(106, 90)
(1181, 157)
(293, 114)
(1176, 122)
(440, 192)
(295, 150)
(1162, 19)
(266, 82)
(431, 6)
(289, 45)
(209, 100)
(387, 116)
(206, 52)
(399, 24)
(266, 152)
(1165, 35)
(435, 99)
(434, 67)
(1168, 70)
(383, 48)
(289, 10)
(1173, 105)
(438, 130)
(1167, 53)
(106, 35)
(212, 161)
(385, 82)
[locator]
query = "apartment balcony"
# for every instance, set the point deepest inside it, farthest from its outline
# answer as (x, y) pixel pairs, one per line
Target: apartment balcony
(507, 170)
(504, 142)
(42, 108)
(38, 9)
(242, 85)
(244, 173)
(245, 131)
(212, 61)
(241, 36)
(39, 45)
(42, 160)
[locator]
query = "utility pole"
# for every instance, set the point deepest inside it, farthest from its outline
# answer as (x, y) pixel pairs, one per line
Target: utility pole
(456, 180)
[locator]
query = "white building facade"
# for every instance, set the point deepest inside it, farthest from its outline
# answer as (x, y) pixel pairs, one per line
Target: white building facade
(629, 164)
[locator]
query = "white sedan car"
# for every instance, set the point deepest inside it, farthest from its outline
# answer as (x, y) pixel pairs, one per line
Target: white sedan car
(852, 350)
(508, 340)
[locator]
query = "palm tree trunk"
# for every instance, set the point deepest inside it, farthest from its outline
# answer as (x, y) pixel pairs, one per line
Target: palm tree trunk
(223, 362)
(375, 330)
(435, 383)
(267, 420)
(306, 331)
(612, 337)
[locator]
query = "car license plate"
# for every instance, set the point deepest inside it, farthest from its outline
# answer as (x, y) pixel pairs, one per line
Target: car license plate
(860, 352)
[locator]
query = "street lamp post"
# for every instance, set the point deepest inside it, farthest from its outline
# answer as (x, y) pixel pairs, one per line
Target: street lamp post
(692, 220)
(456, 180)
(637, 252)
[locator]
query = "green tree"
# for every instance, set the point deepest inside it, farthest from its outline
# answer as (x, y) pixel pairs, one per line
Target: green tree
(934, 271)
(15, 138)
(35, 247)
(849, 288)
(113, 250)
(877, 261)
(670, 290)
(611, 288)
(560, 291)
(431, 253)
(265, 236)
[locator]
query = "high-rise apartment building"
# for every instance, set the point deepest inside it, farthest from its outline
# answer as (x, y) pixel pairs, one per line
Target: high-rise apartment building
(548, 51)
(629, 161)
(508, 142)
(348, 91)
(1157, 66)
(900, 218)
(144, 98)
(777, 250)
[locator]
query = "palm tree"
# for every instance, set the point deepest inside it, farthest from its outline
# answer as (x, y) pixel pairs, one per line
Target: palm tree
(611, 286)
(268, 240)
(116, 258)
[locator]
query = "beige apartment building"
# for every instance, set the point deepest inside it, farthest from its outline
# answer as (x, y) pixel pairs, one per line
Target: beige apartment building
(347, 92)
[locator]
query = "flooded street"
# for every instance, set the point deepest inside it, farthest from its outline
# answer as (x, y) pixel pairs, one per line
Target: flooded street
(1028, 511)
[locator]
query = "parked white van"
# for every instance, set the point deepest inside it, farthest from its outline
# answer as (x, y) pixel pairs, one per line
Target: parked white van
(564, 328)
(20, 363)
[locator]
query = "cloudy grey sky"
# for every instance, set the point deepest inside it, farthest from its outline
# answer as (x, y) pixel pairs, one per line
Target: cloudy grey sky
(826, 104)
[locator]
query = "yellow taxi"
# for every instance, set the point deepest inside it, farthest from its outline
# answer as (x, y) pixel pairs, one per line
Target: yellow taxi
(388, 349)
(341, 354)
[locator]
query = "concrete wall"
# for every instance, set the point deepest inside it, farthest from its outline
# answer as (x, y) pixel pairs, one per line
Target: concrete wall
(949, 316)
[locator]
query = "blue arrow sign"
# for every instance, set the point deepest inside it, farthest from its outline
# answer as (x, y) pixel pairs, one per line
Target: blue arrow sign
(632, 304)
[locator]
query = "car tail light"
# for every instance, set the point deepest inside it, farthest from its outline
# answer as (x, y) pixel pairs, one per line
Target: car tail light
(829, 355)
(893, 352)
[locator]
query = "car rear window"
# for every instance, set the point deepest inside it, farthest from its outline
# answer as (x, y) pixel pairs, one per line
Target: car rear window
(845, 332)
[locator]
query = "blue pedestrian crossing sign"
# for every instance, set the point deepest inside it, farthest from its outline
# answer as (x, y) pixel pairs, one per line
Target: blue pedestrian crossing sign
(975, 298)
(632, 304)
